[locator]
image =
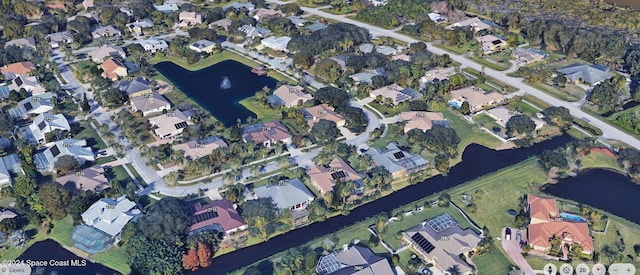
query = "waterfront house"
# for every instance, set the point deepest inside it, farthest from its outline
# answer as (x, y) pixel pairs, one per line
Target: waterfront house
(195, 149)
(266, 133)
(355, 260)
(324, 177)
(203, 46)
(398, 162)
(290, 96)
(150, 103)
(170, 125)
(422, 120)
(219, 216)
(289, 194)
(477, 98)
(276, 43)
(153, 45)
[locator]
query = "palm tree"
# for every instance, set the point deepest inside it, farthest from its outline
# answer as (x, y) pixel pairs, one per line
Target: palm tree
(171, 178)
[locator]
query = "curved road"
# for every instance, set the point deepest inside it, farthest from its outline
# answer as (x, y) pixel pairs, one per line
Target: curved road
(609, 132)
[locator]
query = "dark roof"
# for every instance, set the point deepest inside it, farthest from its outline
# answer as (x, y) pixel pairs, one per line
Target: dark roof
(131, 86)
(423, 243)
(55, 151)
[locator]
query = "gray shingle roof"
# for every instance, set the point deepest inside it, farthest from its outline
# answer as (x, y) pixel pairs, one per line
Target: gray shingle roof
(588, 73)
(285, 194)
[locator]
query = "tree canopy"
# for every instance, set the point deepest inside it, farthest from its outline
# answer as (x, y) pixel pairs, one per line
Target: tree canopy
(520, 125)
(334, 97)
(328, 39)
(325, 131)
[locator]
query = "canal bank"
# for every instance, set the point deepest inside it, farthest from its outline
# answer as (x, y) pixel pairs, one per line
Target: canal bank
(476, 161)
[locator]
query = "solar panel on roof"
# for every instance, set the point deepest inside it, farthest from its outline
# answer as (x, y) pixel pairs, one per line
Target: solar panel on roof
(18, 81)
(338, 175)
(28, 106)
(206, 215)
(55, 151)
(398, 155)
(423, 243)
(180, 125)
(41, 125)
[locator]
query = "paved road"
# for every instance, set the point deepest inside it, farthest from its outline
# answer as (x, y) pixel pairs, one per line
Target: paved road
(609, 132)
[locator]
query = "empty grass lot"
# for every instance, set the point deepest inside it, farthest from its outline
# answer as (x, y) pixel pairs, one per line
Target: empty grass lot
(599, 160)
(263, 113)
(468, 133)
(115, 258)
(61, 231)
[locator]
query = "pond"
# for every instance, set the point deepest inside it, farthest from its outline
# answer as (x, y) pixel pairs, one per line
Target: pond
(602, 189)
(477, 160)
(218, 88)
(50, 252)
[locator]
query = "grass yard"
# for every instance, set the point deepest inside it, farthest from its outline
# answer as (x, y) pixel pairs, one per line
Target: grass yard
(468, 134)
(454, 49)
(61, 231)
(504, 88)
(553, 91)
(535, 101)
(12, 253)
(88, 133)
(494, 262)
(84, 66)
(136, 175)
(498, 66)
(104, 160)
(388, 111)
(599, 160)
(263, 113)
(392, 135)
(114, 258)
(523, 107)
(632, 115)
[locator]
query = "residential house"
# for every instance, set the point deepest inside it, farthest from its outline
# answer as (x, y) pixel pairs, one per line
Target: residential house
(31, 84)
(170, 125)
(263, 13)
(392, 94)
(220, 216)
(113, 69)
(166, 7)
(92, 179)
(546, 223)
(367, 75)
(87, 4)
(12, 70)
(134, 87)
(398, 162)
(297, 20)
(150, 103)
(195, 149)
(366, 47)
(4, 91)
(28, 42)
(203, 46)
(254, 32)
(378, 3)
(440, 241)
(189, 18)
(289, 194)
(324, 177)
(403, 57)
(491, 43)
(266, 133)
(276, 43)
(316, 27)
(422, 120)
(5, 176)
(341, 60)
(222, 24)
(474, 24)
(438, 74)
(590, 74)
(7, 214)
(45, 123)
(478, 99)
(527, 55)
(106, 31)
(136, 28)
(240, 7)
(9, 164)
(111, 215)
(46, 159)
(323, 111)
(289, 96)
(386, 50)
(501, 114)
(59, 38)
(355, 260)
(33, 105)
(98, 55)
(153, 45)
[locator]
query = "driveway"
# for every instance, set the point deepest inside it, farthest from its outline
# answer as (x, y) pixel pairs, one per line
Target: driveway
(512, 247)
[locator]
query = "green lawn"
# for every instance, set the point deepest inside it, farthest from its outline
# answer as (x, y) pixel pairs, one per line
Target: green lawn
(136, 175)
(504, 88)
(553, 91)
(12, 253)
(523, 107)
(494, 262)
(115, 258)
(634, 114)
(392, 135)
(104, 160)
(263, 113)
(498, 66)
(88, 133)
(536, 101)
(599, 160)
(388, 111)
(469, 133)
(61, 231)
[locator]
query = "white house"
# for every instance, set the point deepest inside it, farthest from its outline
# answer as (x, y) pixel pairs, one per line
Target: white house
(55, 39)
(276, 43)
(110, 216)
(203, 46)
(33, 105)
(106, 31)
(46, 159)
(153, 45)
(170, 125)
(45, 123)
(150, 103)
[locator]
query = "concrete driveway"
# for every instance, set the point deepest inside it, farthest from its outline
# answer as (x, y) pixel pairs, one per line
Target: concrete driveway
(512, 247)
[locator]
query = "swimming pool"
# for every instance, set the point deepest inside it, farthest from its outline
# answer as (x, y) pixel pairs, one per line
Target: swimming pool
(572, 217)
(454, 104)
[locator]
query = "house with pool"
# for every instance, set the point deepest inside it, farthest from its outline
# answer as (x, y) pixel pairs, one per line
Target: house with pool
(548, 223)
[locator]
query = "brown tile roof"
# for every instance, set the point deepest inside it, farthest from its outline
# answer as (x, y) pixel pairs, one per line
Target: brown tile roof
(542, 208)
(91, 178)
(420, 120)
(570, 232)
(323, 111)
(23, 68)
(109, 68)
(194, 149)
(476, 96)
(325, 177)
(225, 215)
(271, 131)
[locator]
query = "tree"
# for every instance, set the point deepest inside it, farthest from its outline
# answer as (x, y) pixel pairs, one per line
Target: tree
(465, 109)
(325, 131)
(24, 186)
(85, 103)
(395, 259)
(66, 164)
(291, 9)
(356, 119)
(252, 271)
(560, 80)
(302, 60)
(559, 116)
(444, 199)
(55, 199)
(190, 260)
(550, 159)
(328, 70)
(7, 226)
(604, 96)
(81, 203)
(520, 125)
(442, 163)
(204, 255)
(441, 139)
(334, 97)
(113, 97)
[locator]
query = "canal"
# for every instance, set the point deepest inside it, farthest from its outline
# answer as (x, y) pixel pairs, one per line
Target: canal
(477, 160)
